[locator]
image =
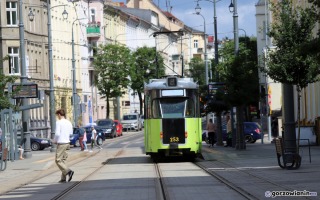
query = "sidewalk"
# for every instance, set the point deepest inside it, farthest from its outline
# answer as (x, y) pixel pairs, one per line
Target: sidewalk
(259, 162)
(19, 172)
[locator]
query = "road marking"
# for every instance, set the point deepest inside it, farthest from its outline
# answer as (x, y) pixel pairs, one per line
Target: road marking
(242, 168)
(45, 160)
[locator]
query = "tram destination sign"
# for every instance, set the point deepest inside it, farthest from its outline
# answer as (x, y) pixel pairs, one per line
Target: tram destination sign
(25, 90)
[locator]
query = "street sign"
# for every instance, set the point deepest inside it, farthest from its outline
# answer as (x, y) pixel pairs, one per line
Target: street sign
(216, 88)
(25, 90)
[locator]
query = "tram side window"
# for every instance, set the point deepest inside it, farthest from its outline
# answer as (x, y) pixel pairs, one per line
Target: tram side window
(190, 112)
(156, 113)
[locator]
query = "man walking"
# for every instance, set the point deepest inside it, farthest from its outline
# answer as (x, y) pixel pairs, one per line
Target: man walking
(211, 128)
(63, 131)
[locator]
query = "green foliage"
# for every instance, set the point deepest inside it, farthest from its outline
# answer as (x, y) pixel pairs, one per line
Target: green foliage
(4, 97)
(197, 71)
(291, 31)
(240, 73)
(145, 67)
(313, 46)
(147, 64)
(112, 63)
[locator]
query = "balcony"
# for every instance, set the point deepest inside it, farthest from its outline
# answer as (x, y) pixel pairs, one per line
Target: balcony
(93, 30)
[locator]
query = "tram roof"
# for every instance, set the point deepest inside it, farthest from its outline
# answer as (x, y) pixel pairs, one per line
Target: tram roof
(187, 83)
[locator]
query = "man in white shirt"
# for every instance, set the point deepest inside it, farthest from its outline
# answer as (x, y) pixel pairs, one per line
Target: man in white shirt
(63, 131)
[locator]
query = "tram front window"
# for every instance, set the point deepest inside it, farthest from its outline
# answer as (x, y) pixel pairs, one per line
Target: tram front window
(173, 108)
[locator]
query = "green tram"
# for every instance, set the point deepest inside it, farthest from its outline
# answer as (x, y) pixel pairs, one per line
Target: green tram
(172, 125)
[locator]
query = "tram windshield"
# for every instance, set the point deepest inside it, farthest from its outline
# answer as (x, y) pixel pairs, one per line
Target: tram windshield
(173, 108)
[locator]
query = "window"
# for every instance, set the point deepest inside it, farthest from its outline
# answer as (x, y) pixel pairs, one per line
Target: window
(125, 103)
(195, 44)
(93, 15)
(173, 108)
(93, 48)
(12, 13)
(14, 60)
(130, 117)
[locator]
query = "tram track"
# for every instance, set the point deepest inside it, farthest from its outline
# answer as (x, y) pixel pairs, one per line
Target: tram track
(75, 185)
(244, 173)
(38, 175)
(228, 183)
(161, 192)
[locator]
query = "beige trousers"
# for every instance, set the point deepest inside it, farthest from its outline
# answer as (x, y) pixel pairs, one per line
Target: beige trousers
(61, 158)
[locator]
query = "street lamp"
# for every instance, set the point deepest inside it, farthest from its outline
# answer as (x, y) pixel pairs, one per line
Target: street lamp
(239, 144)
(198, 9)
(74, 88)
(231, 7)
(51, 97)
(216, 54)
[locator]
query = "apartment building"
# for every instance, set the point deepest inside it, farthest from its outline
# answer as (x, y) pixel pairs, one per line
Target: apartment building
(36, 54)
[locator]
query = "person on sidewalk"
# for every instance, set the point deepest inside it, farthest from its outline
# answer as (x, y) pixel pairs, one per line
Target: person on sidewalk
(84, 141)
(80, 131)
(229, 132)
(63, 131)
(94, 137)
(21, 151)
(211, 128)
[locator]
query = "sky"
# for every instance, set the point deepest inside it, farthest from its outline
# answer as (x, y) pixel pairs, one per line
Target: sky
(184, 10)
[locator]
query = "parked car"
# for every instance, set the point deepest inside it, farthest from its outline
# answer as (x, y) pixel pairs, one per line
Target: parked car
(74, 138)
(142, 120)
(39, 143)
(252, 132)
(131, 121)
(108, 127)
(119, 127)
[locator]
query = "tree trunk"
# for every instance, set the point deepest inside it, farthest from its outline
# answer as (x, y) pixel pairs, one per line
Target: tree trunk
(219, 130)
(141, 102)
(240, 142)
(299, 97)
(288, 118)
(108, 108)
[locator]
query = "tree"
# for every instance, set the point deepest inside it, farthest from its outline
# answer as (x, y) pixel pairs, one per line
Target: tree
(292, 29)
(197, 72)
(313, 46)
(5, 80)
(145, 68)
(112, 63)
(240, 74)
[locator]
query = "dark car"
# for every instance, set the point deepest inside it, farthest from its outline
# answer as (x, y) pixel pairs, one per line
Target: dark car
(108, 127)
(252, 132)
(74, 138)
(39, 143)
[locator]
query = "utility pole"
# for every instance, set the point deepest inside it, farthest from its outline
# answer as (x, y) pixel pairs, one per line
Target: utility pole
(216, 54)
(24, 79)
